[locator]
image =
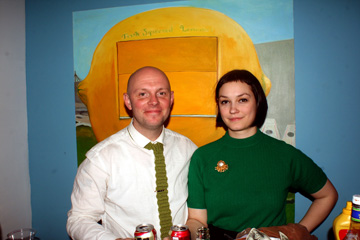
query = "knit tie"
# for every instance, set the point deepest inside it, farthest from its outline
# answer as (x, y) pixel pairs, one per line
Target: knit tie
(161, 189)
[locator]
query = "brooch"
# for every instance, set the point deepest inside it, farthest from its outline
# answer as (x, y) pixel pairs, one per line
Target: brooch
(221, 166)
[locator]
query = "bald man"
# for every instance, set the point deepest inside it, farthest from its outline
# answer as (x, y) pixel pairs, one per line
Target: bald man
(116, 183)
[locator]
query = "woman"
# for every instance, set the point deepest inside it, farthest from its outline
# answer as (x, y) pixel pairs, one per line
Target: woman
(242, 179)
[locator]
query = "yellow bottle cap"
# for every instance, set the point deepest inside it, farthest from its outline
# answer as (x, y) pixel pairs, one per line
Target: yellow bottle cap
(347, 209)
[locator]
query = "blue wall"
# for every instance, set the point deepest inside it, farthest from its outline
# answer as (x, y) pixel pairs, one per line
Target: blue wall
(327, 33)
(327, 93)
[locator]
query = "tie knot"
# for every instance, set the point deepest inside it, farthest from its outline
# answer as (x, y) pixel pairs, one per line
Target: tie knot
(157, 147)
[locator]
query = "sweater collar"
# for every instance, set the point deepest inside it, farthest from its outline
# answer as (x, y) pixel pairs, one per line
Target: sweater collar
(244, 142)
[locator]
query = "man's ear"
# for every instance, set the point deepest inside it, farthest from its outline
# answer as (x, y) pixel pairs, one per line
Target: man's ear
(172, 98)
(127, 101)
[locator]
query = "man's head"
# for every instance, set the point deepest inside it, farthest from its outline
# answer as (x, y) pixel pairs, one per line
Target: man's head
(150, 98)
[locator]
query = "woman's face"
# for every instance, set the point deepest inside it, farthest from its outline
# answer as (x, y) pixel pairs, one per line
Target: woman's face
(237, 106)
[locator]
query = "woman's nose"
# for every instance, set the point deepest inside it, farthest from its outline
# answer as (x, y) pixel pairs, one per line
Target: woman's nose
(233, 109)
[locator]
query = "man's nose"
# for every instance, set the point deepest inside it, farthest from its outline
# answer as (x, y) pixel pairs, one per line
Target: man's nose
(153, 99)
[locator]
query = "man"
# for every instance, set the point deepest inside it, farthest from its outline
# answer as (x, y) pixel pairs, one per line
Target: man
(117, 181)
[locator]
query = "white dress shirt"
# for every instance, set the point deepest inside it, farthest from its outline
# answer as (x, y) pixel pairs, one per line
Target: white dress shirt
(116, 183)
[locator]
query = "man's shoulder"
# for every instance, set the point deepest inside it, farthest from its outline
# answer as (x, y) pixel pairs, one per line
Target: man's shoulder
(175, 136)
(171, 133)
(115, 138)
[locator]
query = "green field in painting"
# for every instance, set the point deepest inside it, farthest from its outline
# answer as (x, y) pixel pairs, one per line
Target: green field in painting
(290, 208)
(85, 139)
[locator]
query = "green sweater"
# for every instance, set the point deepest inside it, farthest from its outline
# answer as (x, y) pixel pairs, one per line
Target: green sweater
(253, 191)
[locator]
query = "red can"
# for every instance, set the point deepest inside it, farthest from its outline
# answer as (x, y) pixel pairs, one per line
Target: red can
(180, 232)
(145, 232)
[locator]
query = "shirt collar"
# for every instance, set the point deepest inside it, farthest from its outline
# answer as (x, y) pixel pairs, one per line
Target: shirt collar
(140, 139)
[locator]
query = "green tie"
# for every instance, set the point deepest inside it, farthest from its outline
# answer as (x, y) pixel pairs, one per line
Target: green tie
(161, 189)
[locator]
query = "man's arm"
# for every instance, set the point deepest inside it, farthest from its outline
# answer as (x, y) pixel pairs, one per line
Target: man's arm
(87, 201)
(197, 218)
(324, 201)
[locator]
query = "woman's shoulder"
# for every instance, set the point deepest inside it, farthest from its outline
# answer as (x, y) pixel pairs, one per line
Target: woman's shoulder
(279, 146)
(274, 141)
(209, 147)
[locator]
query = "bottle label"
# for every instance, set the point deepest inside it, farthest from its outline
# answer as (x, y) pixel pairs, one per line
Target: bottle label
(355, 214)
(342, 233)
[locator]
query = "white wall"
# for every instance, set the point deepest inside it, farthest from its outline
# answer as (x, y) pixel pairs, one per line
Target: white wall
(15, 208)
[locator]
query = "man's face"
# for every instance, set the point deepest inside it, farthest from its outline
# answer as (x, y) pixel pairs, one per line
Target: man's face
(150, 99)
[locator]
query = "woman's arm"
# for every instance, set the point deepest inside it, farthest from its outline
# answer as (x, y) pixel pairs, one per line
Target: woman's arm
(324, 202)
(197, 218)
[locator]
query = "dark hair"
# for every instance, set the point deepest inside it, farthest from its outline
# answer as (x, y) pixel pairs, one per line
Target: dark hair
(248, 78)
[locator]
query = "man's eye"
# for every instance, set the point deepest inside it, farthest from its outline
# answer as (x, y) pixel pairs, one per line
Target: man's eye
(162, 93)
(142, 94)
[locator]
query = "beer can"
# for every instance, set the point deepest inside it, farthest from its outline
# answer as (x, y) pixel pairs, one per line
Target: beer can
(145, 232)
(180, 232)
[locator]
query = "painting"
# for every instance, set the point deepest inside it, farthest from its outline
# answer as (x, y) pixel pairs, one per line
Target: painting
(194, 43)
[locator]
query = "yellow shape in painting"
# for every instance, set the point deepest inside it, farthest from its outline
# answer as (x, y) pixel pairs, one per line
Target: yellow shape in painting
(190, 64)
(193, 46)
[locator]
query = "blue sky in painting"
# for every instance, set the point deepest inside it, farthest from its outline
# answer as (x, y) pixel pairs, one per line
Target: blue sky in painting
(263, 20)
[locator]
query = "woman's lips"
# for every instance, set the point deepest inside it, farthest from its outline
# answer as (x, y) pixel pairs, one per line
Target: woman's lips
(235, 119)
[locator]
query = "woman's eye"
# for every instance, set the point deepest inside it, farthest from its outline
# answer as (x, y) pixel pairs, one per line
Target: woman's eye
(224, 102)
(243, 100)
